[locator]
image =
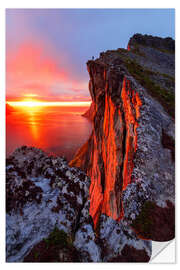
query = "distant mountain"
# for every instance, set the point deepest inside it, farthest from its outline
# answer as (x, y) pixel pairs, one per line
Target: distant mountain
(9, 109)
(90, 112)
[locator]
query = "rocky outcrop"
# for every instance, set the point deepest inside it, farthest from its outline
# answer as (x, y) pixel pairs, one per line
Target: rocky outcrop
(48, 217)
(42, 193)
(128, 157)
(162, 44)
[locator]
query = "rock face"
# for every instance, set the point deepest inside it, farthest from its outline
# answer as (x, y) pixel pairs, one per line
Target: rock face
(130, 154)
(42, 193)
(122, 195)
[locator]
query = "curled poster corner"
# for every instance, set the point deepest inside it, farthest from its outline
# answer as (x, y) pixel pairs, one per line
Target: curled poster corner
(163, 252)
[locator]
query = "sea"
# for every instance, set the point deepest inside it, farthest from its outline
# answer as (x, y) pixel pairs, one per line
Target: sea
(58, 131)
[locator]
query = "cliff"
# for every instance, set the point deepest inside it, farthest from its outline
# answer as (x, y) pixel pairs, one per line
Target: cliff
(90, 112)
(122, 195)
(130, 154)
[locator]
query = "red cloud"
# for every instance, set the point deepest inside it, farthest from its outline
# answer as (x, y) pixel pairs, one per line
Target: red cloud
(32, 69)
(31, 60)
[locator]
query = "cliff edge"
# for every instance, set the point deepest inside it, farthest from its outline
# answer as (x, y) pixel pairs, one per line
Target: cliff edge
(130, 154)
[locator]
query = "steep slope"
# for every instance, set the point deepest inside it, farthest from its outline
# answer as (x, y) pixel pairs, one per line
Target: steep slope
(130, 154)
(47, 219)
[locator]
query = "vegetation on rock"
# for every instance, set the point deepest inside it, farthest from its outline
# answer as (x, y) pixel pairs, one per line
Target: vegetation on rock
(143, 76)
(57, 247)
(152, 218)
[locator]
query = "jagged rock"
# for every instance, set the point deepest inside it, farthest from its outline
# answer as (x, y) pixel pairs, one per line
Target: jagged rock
(117, 237)
(130, 154)
(42, 192)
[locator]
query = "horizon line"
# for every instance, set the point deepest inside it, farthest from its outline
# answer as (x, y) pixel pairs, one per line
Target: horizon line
(34, 103)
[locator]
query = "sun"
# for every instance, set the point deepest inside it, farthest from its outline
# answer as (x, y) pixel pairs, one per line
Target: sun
(26, 103)
(37, 103)
(29, 103)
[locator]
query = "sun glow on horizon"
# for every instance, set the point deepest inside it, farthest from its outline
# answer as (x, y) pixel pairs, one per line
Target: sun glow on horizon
(30, 95)
(38, 103)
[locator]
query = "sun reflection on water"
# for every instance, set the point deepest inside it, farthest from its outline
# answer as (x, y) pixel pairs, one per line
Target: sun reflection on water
(56, 129)
(31, 113)
(33, 124)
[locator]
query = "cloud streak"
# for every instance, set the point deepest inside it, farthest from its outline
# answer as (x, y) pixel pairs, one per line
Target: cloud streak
(32, 69)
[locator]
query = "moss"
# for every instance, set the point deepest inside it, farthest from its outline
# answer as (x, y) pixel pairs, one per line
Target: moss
(155, 222)
(143, 221)
(166, 98)
(36, 255)
(58, 238)
(58, 247)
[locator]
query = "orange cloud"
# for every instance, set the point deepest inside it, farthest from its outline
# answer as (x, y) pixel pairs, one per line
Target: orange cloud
(31, 69)
(32, 61)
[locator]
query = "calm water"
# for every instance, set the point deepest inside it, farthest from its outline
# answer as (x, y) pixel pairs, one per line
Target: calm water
(57, 130)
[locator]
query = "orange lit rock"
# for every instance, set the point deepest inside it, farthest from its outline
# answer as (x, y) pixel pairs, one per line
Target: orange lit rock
(131, 103)
(128, 156)
(109, 158)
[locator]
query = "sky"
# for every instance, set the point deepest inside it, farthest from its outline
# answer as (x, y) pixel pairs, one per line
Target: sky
(47, 49)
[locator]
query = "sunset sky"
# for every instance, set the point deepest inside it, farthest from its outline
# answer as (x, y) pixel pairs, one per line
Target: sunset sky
(47, 49)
